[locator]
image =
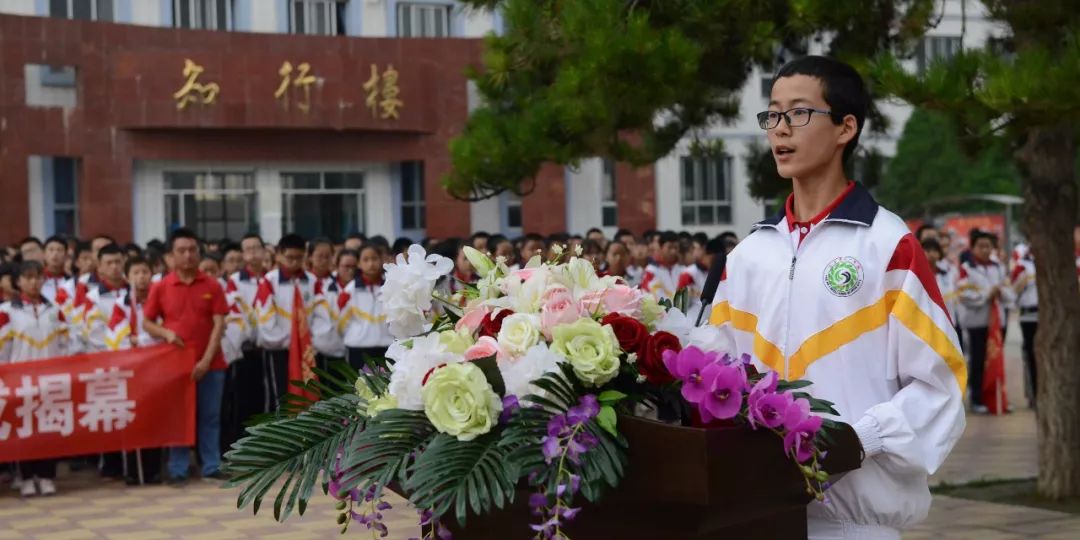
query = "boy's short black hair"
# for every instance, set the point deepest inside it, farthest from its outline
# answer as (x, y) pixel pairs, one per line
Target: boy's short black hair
(356, 236)
(479, 234)
(346, 253)
(401, 245)
(668, 236)
(211, 256)
(701, 238)
(593, 230)
(110, 249)
(715, 246)
(843, 89)
(136, 261)
(57, 239)
(923, 228)
(177, 234)
(29, 267)
(230, 246)
(81, 247)
(254, 235)
(320, 241)
(31, 240)
(932, 245)
(133, 247)
(291, 241)
(379, 240)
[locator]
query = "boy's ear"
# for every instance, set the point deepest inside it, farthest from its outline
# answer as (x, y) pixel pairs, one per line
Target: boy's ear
(850, 129)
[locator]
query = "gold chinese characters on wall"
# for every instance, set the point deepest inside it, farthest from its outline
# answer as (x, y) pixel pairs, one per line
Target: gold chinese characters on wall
(381, 92)
(193, 91)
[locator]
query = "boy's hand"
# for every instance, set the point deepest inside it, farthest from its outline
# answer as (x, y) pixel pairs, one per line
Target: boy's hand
(173, 339)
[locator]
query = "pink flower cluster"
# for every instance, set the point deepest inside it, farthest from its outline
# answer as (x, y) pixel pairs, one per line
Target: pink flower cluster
(719, 386)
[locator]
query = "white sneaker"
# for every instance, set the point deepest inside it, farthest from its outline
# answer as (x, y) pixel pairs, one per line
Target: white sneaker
(46, 487)
(16, 483)
(980, 409)
(28, 488)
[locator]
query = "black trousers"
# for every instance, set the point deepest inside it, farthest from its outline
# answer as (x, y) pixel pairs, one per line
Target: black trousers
(40, 468)
(151, 465)
(275, 372)
(1028, 329)
(243, 396)
(977, 355)
(361, 357)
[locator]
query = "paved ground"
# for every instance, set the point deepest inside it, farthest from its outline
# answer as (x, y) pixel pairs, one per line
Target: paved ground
(992, 447)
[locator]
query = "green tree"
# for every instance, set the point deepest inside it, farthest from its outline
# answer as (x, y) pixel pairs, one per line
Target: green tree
(628, 79)
(931, 164)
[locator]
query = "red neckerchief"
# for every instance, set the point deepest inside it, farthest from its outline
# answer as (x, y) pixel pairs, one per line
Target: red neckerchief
(110, 288)
(370, 283)
(254, 273)
(789, 210)
(50, 275)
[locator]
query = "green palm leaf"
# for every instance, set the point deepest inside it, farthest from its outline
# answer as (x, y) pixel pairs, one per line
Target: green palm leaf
(459, 475)
(298, 448)
(382, 451)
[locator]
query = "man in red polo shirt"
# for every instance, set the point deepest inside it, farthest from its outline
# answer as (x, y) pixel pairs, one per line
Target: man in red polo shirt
(187, 308)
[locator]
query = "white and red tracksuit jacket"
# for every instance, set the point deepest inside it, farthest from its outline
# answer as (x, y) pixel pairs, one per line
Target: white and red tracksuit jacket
(662, 280)
(361, 320)
(96, 312)
(693, 280)
(976, 281)
(127, 320)
(852, 306)
(32, 331)
(1027, 292)
(274, 308)
(53, 284)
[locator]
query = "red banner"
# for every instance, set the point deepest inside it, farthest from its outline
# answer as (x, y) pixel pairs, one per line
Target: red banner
(993, 385)
(101, 402)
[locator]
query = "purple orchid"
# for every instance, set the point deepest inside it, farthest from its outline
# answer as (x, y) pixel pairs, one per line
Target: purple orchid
(510, 405)
(725, 397)
(586, 410)
(768, 409)
(689, 367)
(796, 413)
(799, 441)
(566, 433)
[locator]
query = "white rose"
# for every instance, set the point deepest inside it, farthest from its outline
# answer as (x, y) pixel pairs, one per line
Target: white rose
(676, 323)
(519, 373)
(410, 366)
(519, 332)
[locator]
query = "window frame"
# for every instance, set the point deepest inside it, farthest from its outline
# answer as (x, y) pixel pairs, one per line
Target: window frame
(52, 206)
(334, 21)
(406, 8)
(361, 195)
(94, 8)
(698, 190)
(926, 53)
(417, 206)
(194, 7)
(609, 174)
(252, 217)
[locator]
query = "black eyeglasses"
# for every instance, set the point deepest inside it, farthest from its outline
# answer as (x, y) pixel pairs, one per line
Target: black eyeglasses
(796, 117)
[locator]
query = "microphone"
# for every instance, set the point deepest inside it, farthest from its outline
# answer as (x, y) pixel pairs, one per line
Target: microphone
(712, 281)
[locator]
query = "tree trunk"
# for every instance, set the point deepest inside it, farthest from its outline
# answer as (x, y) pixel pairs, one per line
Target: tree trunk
(1047, 161)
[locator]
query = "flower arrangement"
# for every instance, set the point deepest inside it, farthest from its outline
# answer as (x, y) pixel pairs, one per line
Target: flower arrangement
(517, 379)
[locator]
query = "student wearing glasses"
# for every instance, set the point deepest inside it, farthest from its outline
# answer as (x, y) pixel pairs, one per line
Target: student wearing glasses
(835, 290)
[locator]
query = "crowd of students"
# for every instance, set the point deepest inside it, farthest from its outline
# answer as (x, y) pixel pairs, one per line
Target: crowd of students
(66, 296)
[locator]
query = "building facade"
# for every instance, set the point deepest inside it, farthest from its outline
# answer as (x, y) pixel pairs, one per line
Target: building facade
(323, 117)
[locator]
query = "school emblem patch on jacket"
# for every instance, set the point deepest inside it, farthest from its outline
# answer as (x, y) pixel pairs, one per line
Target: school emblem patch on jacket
(843, 276)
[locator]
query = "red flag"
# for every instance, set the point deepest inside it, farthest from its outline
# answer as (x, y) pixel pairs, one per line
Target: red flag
(301, 353)
(993, 386)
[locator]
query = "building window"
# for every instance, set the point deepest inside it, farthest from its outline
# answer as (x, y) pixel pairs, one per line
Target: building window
(318, 17)
(421, 20)
(936, 48)
(766, 86)
(412, 197)
(609, 214)
(83, 10)
(214, 205)
(512, 221)
(329, 204)
(203, 14)
(706, 190)
(62, 196)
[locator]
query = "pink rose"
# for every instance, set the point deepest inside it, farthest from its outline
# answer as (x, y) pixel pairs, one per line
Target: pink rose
(591, 301)
(472, 319)
(484, 347)
(624, 300)
(559, 308)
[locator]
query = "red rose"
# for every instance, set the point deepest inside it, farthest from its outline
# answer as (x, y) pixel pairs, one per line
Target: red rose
(630, 332)
(492, 323)
(650, 360)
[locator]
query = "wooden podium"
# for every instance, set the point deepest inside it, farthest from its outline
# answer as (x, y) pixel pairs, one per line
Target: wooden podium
(688, 484)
